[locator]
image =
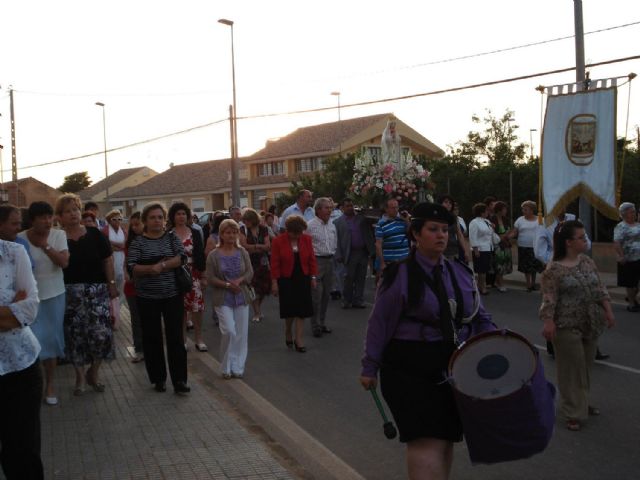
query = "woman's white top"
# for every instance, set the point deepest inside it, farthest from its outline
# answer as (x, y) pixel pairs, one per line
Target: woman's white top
(49, 276)
(481, 234)
(118, 256)
(526, 231)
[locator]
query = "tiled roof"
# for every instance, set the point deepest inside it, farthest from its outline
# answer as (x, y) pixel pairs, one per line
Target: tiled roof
(110, 181)
(316, 138)
(190, 177)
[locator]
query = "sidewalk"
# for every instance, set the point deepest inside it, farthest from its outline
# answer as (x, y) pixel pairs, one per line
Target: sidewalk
(132, 432)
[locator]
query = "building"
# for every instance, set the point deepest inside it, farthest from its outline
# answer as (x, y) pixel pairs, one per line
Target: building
(268, 173)
(25, 191)
(108, 187)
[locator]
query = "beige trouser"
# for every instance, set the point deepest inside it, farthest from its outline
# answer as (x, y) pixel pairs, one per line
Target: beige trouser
(574, 358)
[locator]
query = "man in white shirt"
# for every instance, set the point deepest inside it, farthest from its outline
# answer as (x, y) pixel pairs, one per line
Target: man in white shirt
(325, 242)
(302, 207)
(20, 375)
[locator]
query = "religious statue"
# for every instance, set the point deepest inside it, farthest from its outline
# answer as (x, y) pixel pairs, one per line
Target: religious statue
(391, 149)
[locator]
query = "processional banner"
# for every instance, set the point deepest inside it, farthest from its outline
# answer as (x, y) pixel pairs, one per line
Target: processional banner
(579, 149)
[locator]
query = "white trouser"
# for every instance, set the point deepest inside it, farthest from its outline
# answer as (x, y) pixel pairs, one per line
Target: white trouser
(234, 326)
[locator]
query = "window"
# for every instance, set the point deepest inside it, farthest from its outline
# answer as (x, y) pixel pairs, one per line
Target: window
(197, 205)
(309, 164)
(271, 168)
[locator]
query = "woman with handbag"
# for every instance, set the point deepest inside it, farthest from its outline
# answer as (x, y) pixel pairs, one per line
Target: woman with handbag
(576, 308)
(153, 260)
(229, 272)
(254, 237)
(179, 213)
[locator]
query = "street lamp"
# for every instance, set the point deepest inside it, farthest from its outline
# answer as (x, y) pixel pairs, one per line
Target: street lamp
(235, 167)
(337, 94)
(531, 130)
(104, 137)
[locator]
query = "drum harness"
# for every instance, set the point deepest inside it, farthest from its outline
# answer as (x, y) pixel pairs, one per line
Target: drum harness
(452, 317)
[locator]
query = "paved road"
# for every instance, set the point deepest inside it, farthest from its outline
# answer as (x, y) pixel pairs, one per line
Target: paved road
(319, 391)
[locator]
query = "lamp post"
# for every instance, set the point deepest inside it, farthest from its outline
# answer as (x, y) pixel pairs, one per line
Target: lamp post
(235, 167)
(531, 130)
(337, 94)
(104, 137)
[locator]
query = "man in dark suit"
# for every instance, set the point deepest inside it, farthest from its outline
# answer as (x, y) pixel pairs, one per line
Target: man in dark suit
(355, 245)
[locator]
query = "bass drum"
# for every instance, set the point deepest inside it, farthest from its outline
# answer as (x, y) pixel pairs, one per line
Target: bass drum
(506, 405)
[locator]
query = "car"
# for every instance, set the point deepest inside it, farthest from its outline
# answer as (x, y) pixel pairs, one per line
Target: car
(203, 217)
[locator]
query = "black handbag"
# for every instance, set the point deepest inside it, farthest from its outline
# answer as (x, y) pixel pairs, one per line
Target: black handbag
(184, 280)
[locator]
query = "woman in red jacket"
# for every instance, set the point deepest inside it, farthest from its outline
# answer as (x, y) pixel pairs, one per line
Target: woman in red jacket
(293, 275)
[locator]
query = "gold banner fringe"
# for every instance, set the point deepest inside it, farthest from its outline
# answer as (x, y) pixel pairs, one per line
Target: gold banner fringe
(581, 190)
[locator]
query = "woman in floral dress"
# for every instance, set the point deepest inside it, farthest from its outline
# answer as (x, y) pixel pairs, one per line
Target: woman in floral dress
(179, 219)
(254, 238)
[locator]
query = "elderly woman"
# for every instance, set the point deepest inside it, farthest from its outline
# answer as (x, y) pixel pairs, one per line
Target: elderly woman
(152, 260)
(179, 213)
(524, 229)
(50, 255)
(229, 272)
(117, 238)
(254, 238)
(410, 338)
(293, 273)
(626, 238)
(89, 284)
(482, 238)
(575, 309)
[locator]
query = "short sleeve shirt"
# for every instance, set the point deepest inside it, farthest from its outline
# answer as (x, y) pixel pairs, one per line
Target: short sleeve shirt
(395, 243)
(86, 257)
(628, 236)
(48, 275)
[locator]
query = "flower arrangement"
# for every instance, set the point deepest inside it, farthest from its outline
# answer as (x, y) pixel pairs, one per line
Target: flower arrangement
(373, 182)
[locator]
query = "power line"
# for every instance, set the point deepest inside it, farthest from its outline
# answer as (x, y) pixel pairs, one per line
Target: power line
(135, 144)
(491, 52)
(369, 102)
(438, 92)
(400, 68)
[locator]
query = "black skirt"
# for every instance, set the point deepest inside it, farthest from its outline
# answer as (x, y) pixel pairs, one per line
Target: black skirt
(412, 380)
(527, 261)
(295, 293)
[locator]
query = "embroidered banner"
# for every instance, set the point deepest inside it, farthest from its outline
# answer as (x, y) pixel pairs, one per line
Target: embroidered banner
(579, 149)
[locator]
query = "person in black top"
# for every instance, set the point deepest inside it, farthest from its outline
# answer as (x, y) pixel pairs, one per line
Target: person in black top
(89, 284)
(152, 260)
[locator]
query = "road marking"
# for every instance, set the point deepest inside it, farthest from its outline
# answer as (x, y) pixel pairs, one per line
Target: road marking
(601, 362)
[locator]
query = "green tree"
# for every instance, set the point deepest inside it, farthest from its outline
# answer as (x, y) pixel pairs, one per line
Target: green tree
(334, 181)
(75, 182)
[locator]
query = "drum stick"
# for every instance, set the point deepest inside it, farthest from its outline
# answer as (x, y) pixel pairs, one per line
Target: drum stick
(389, 430)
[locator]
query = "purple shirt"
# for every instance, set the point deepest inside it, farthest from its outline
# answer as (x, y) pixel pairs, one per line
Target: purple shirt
(388, 318)
(357, 242)
(231, 266)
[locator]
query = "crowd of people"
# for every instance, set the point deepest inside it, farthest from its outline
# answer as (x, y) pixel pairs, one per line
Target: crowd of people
(64, 286)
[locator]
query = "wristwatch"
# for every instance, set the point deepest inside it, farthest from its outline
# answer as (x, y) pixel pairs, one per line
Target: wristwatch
(227, 284)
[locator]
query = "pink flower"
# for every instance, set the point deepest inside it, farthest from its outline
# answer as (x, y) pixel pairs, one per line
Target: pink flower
(406, 194)
(388, 188)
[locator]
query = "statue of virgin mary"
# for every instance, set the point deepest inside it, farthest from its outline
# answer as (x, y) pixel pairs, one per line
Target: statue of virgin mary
(391, 149)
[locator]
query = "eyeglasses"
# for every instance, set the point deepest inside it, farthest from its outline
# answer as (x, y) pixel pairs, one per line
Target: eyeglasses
(117, 219)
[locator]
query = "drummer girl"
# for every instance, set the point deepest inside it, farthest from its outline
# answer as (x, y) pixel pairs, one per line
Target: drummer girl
(424, 307)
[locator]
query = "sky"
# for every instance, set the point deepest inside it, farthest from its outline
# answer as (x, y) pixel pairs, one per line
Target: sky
(162, 67)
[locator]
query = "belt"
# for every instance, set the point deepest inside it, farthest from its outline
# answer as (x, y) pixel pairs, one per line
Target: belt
(324, 256)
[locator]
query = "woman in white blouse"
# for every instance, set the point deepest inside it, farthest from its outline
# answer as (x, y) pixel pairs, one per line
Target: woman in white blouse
(117, 238)
(20, 375)
(50, 255)
(481, 238)
(524, 229)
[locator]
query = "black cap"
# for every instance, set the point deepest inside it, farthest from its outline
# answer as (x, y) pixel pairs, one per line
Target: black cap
(433, 212)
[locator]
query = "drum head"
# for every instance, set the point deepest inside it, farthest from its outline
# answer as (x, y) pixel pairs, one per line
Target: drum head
(492, 365)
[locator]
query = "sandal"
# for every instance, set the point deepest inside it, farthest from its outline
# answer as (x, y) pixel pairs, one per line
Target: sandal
(201, 347)
(226, 376)
(594, 411)
(97, 386)
(78, 391)
(573, 425)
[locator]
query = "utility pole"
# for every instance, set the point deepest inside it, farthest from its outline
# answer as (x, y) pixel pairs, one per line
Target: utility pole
(584, 209)
(14, 161)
